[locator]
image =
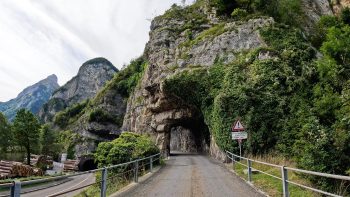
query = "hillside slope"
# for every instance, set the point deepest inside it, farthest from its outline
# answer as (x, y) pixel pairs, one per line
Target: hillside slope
(31, 98)
(91, 77)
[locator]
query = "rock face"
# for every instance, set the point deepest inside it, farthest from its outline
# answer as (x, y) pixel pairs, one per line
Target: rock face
(338, 5)
(31, 98)
(181, 140)
(91, 77)
(313, 10)
(174, 124)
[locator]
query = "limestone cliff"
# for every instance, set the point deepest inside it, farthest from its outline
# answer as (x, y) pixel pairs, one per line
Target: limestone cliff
(91, 77)
(173, 48)
(182, 40)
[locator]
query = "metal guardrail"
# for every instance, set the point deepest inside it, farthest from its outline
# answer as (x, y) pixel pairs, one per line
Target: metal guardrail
(15, 186)
(284, 174)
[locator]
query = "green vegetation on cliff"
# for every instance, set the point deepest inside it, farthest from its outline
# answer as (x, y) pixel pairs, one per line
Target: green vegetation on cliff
(123, 84)
(290, 101)
(125, 81)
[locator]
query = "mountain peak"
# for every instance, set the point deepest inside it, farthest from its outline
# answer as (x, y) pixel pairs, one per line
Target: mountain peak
(98, 61)
(52, 77)
(31, 98)
(91, 77)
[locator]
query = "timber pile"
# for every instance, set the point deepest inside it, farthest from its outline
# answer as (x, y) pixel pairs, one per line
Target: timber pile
(41, 160)
(71, 165)
(10, 169)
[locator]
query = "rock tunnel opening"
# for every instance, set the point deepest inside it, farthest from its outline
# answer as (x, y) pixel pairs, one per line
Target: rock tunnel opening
(189, 136)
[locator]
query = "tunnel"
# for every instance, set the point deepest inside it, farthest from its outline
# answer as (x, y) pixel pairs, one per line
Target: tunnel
(87, 163)
(190, 135)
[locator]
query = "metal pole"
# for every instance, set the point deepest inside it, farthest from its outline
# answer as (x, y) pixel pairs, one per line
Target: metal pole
(284, 173)
(233, 161)
(136, 171)
(16, 189)
(240, 148)
(249, 170)
(104, 183)
(151, 164)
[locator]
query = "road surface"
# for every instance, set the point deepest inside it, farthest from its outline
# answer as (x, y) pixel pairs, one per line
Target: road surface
(76, 182)
(193, 175)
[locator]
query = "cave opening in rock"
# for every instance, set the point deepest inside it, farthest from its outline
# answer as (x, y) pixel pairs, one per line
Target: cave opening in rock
(188, 136)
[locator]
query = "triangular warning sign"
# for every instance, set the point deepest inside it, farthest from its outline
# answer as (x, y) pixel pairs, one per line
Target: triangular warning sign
(237, 126)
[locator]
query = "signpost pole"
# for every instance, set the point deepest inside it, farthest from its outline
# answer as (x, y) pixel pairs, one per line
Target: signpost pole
(239, 134)
(240, 147)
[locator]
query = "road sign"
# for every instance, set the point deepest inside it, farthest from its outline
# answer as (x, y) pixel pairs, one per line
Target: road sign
(239, 135)
(237, 126)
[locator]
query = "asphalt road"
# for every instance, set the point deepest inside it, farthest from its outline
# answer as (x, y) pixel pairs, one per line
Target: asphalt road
(193, 175)
(76, 182)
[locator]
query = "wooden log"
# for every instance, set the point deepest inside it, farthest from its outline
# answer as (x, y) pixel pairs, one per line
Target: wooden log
(71, 165)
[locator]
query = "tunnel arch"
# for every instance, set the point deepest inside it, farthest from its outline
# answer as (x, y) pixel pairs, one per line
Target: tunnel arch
(187, 135)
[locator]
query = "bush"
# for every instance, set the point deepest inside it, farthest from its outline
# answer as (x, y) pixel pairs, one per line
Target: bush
(224, 7)
(103, 117)
(129, 146)
(63, 118)
(345, 16)
(125, 81)
(239, 13)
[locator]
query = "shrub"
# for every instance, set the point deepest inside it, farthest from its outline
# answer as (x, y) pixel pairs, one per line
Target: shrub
(129, 146)
(125, 81)
(239, 13)
(63, 118)
(224, 7)
(103, 117)
(345, 16)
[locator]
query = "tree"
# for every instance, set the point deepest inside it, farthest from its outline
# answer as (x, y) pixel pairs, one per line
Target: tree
(345, 16)
(27, 131)
(337, 45)
(6, 135)
(48, 141)
(224, 7)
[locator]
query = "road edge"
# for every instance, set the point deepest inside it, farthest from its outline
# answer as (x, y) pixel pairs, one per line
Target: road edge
(133, 185)
(227, 167)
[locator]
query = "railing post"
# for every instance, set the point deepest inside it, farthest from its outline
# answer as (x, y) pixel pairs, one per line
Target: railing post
(104, 183)
(136, 171)
(16, 189)
(284, 173)
(151, 164)
(233, 161)
(249, 162)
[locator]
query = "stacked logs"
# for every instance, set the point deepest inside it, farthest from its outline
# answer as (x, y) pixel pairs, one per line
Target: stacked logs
(40, 161)
(10, 169)
(71, 165)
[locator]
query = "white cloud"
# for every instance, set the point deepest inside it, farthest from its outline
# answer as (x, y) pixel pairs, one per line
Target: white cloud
(39, 38)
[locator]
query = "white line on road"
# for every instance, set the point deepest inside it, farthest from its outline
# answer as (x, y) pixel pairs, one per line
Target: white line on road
(70, 187)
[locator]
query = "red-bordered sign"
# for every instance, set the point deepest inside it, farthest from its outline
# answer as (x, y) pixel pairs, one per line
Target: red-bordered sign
(237, 126)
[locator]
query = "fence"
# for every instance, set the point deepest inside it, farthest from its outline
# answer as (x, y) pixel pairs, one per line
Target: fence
(129, 168)
(284, 174)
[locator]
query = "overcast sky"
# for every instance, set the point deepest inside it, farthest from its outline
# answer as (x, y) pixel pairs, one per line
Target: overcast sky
(39, 38)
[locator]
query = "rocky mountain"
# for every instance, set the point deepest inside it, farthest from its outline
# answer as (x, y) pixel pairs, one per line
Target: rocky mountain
(199, 62)
(91, 77)
(31, 98)
(280, 67)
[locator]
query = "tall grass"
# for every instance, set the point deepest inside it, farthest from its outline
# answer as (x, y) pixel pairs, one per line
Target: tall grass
(271, 185)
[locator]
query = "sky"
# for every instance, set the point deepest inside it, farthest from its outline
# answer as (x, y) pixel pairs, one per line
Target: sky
(39, 38)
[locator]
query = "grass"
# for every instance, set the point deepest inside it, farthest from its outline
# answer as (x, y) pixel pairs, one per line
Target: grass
(116, 182)
(95, 189)
(271, 185)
